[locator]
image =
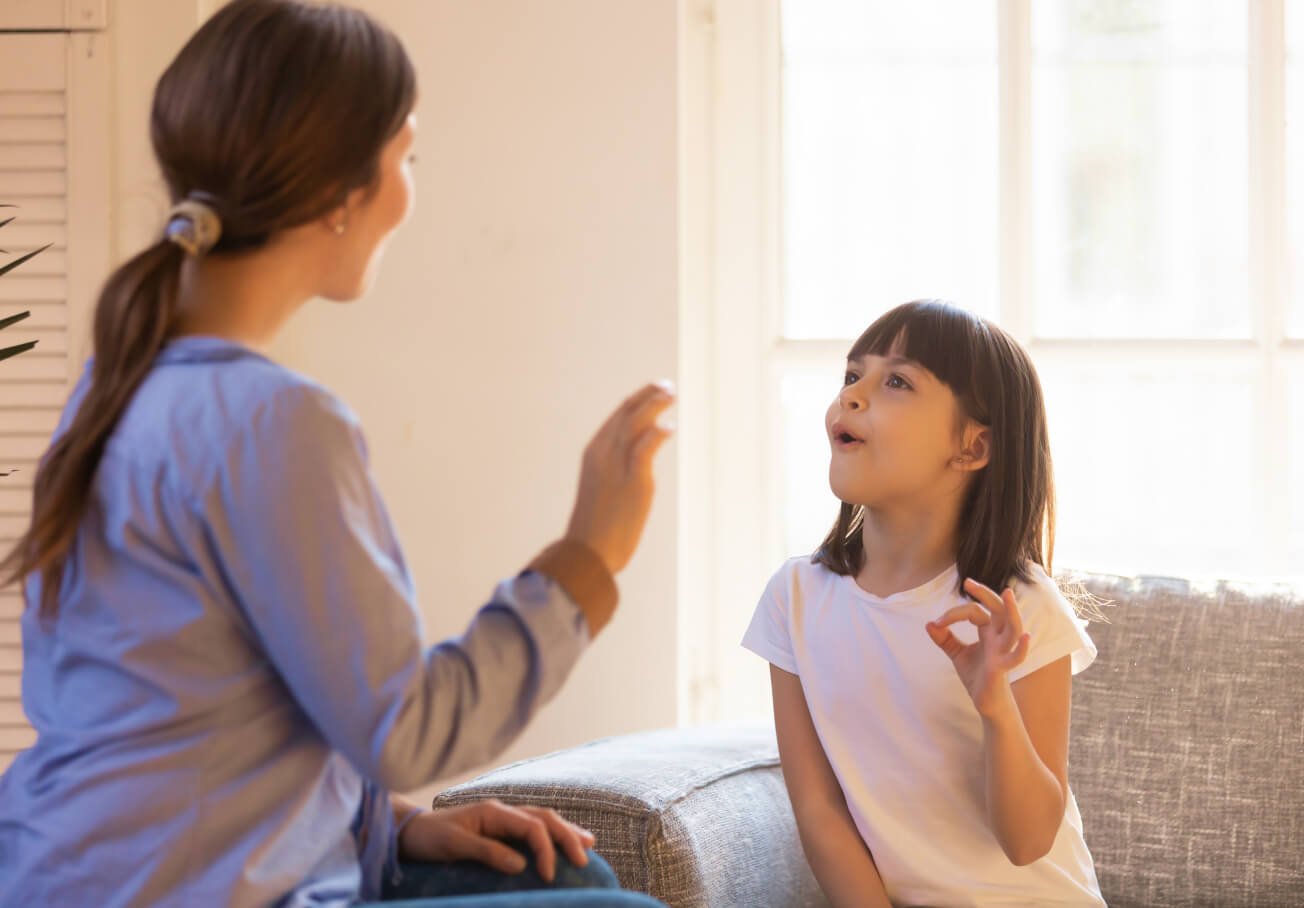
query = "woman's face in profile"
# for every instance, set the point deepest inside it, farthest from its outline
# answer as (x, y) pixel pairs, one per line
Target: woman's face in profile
(374, 213)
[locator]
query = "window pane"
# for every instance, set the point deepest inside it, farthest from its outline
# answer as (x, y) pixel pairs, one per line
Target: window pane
(1294, 164)
(889, 159)
(1139, 168)
(1154, 467)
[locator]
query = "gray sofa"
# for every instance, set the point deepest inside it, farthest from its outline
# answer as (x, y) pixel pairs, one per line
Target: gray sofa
(1186, 758)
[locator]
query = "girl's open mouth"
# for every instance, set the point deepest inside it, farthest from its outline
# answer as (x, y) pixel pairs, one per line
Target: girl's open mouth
(842, 438)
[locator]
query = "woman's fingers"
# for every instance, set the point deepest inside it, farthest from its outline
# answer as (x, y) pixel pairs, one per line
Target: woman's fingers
(616, 482)
(505, 821)
(636, 401)
(641, 407)
(615, 427)
(646, 446)
(463, 844)
(573, 840)
(641, 423)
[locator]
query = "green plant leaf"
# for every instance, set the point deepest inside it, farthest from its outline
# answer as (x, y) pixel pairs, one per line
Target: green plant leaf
(6, 352)
(18, 261)
(14, 319)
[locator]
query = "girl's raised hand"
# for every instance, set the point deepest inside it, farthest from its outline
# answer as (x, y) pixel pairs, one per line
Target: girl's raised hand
(1001, 646)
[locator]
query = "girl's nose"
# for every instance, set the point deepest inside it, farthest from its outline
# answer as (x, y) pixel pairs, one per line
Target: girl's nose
(849, 398)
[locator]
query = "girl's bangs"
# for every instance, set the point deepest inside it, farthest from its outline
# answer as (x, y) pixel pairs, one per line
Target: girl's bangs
(939, 336)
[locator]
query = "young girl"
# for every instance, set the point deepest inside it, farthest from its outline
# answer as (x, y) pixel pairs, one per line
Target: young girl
(221, 646)
(921, 658)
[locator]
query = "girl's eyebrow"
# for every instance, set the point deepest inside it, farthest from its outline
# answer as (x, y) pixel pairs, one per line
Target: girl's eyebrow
(890, 360)
(895, 362)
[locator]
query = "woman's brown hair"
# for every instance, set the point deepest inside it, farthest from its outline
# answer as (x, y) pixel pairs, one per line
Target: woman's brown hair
(272, 113)
(1008, 516)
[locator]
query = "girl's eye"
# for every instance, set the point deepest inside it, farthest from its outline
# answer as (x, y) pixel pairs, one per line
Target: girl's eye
(896, 381)
(849, 378)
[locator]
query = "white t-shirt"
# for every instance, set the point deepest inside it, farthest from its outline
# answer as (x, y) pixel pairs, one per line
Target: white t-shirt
(904, 738)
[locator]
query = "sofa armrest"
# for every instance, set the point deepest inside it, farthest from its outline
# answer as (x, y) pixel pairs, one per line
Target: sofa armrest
(696, 817)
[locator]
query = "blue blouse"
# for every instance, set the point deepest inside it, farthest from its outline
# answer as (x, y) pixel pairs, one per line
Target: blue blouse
(234, 679)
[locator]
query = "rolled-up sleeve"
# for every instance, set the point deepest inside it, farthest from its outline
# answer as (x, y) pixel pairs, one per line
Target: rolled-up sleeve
(311, 558)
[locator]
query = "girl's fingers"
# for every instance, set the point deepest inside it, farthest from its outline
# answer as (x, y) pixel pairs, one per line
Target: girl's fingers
(1012, 616)
(988, 598)
(1015, 657)
(944, 639)
(970, 611)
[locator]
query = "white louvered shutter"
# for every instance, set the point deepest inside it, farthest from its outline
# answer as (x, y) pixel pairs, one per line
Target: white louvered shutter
(33, 385)
(38, 117)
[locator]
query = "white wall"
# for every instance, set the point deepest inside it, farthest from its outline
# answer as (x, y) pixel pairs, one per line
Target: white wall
(534, 286)
(142, 38)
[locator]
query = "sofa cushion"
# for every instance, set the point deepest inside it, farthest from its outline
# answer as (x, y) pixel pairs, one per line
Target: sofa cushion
(696, 817)
(1187, 747)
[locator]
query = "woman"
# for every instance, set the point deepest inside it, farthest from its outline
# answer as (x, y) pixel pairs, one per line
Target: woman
(221, 646)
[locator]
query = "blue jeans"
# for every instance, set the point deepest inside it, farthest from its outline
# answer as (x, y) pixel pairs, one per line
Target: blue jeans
(470, 884)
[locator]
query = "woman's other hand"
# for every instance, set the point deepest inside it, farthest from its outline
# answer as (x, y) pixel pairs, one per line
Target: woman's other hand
(476, 831)
(616, 484)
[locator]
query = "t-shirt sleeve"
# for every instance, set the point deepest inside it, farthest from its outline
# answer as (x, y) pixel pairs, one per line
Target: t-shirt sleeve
(1056, 630)
(769, 634)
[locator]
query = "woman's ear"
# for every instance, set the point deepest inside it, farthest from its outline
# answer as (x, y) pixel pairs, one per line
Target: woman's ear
(976, 451)
(337, 221)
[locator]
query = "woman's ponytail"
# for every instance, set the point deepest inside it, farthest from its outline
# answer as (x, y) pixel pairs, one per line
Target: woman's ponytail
(270, 114)
(133, 319)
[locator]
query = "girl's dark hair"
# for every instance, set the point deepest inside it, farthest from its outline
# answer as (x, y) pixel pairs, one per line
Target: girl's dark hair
(274, 110)
(1008, 516)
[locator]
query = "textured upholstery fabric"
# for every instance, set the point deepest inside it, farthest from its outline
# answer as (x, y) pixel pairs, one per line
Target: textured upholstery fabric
(697, 817)
(1187, 747)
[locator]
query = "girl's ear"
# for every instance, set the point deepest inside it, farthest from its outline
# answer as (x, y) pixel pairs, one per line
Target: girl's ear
(977, 449)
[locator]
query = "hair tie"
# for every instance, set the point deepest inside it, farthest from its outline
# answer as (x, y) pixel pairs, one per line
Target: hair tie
(193, 224)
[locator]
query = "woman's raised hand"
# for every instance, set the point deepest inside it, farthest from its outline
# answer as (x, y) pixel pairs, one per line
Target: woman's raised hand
(1001, 646)
(616, 483)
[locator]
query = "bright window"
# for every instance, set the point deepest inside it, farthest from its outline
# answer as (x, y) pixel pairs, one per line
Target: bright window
(1088, 185)
(1119, 183)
